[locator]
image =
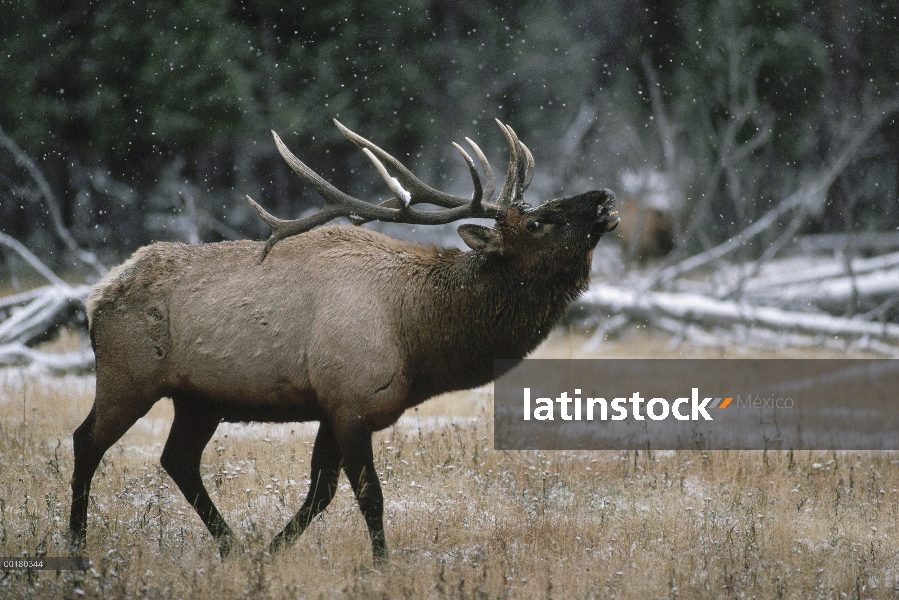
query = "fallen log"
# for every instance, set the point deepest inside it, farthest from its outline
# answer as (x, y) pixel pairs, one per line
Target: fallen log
(29, 318)
(19, 355)
(711, 312)
(776, 276)
(835, 296)
(872, 240)
(41, 313)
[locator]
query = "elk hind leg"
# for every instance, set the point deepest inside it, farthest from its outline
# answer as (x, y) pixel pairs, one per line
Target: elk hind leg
(108, 420)
(192, 429)
(326, 458)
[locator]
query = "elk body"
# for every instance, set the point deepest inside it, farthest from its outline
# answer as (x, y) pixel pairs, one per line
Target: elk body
(339, 325)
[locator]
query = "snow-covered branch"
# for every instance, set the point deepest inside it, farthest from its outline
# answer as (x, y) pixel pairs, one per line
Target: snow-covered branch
(51, 202)
(710, 312)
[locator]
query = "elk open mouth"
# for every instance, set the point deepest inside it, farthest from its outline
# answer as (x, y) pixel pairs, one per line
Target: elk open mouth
(606, 218)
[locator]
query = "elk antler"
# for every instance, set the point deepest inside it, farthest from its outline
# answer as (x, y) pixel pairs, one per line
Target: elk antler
(407, 189)
(521, 168)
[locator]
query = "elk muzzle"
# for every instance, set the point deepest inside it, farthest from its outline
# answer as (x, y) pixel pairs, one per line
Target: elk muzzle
(606, 219)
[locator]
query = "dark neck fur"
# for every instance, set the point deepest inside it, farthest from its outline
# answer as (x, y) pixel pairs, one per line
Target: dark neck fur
(484, 308)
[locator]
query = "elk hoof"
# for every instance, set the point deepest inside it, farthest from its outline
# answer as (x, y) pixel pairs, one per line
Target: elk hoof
(229, 546)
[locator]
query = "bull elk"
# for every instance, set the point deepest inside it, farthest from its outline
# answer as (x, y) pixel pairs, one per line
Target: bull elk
(340, 325)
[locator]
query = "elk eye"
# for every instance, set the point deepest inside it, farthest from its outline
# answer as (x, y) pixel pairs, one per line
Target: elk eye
(534, 226)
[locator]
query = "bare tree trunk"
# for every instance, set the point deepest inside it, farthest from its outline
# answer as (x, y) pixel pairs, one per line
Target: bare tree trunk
(52, 204)
(812, 196)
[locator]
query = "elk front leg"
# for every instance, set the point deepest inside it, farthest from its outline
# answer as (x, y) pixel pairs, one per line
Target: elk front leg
(358, 462)
(192, 429)
(326, 457)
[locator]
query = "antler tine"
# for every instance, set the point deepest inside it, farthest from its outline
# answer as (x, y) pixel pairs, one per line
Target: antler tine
(403, 198)
(478, 194)
(324, 189)
(488, 170)
(521, 168)
(420, 191)
(505, 195)
(282, 228)
(529, 175)
(336, 203)
(402, 195)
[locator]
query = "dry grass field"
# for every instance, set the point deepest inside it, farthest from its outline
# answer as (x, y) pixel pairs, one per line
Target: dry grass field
(463, 520)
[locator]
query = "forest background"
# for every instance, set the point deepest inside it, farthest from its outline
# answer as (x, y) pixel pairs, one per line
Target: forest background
(150, 120)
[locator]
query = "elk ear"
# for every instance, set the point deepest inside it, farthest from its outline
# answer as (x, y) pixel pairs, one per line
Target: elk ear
(478, 237)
